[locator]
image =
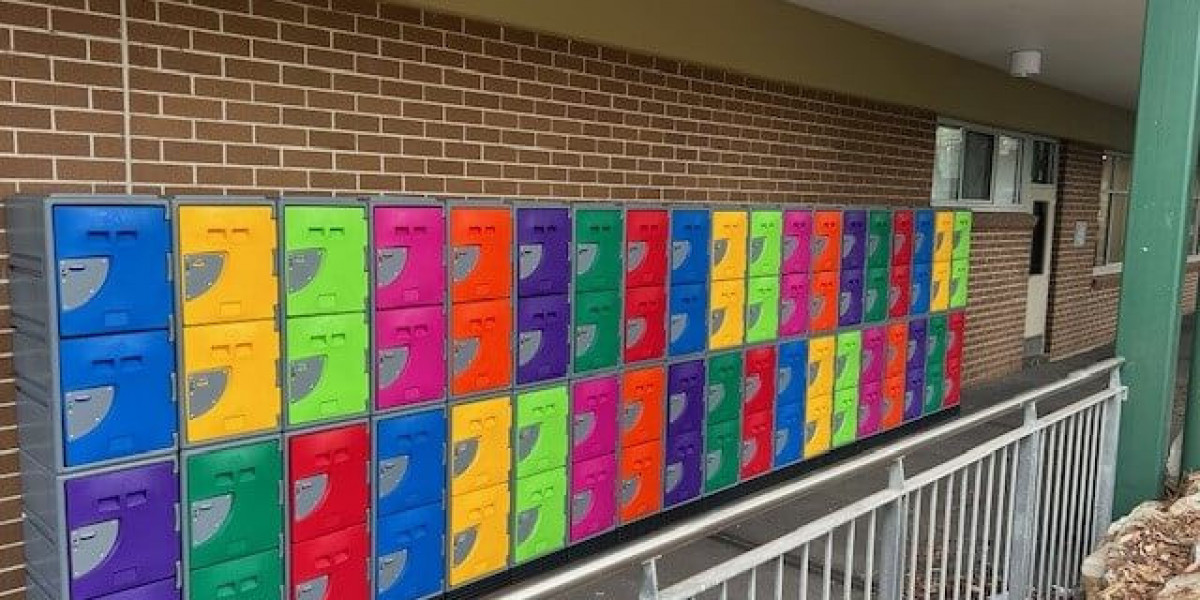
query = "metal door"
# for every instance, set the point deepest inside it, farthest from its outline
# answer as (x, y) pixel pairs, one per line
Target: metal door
(935, 386)
(788, 433)
(823, 301)
(227, 264)
(689, 319)
(234, 503)
(914, 393)
(410, 356)
(643, 393)
(936, 340)
(410, 560)
(326, 367)
(897, 350)
(943, 236)
(543, 344)
(328, 478)
(683, 473)
(410, 256)
(923, 234)
(645, 323)
(827, 240)
(481, 356)
(481, 254)
(231, 382)
(919, 288)
(594, 417)
(598, 241)
(818, 425)
(325, 250)
(848, 360)
(723, 396)
(939, 287)
(539, 514)
(892, 411)
(254, 577)
(821, 353)
(845, 417)
(793, 362)
(410, 461)
(902, 237)
(646, 235)
(726, 313)
(959, 280)
(879, 238)
(541, 431)
(962, 235)
(478, 544)
(597, 330)
(690, 231)
(875, 296)
(874, 354)
(543, 251)
(918, 341)
(870, 408)
(593, 496)
(899, 291)
(332, 567)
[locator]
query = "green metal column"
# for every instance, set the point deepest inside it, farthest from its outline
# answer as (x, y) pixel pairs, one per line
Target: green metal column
(1164, 160)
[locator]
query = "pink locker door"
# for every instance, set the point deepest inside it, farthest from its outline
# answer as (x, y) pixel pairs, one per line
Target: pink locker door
(793, 304)
(410, 355)
(594, 417)
(410, 256)
(797, 241)
(593, 496)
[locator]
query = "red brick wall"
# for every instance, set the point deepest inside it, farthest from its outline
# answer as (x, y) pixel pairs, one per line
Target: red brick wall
(997, 290)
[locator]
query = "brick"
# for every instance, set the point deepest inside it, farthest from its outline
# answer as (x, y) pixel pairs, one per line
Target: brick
(54, 144)
(47, 94)
(19, 167)
(85, 23)
(252, 155)
(190, 62)
(49, 43)
(24, 15)
(188, 152)
(91, 170)
(199, 108)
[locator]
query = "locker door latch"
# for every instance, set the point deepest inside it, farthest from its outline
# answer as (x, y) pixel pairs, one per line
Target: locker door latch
(200, 272)
(303, 376)
(391, 473)
(389, 264)
(86, 409)
(91, 545)
(392, 362)
(302, 267)
(80, 279)
(204, 389)
(391, 566)
(529, 259)
(528, 345)
(313, 589)
(207, 517)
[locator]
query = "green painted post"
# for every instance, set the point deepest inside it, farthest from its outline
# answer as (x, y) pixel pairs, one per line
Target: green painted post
(1164, 161)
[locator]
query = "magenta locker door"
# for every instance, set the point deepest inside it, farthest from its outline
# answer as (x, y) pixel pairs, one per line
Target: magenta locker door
(594, 417)
(410, 256)
(870, 408)
(793, 303)
(593, 496)
(797, 241)
(410, 355)
(123, 529)
(874, 354)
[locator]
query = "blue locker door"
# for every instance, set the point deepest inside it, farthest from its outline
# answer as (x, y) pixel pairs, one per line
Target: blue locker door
(923, 231)
(918, 295)
(117, 399)
(689, 318)
(410, 467)
(789, 433)
(793, 364)
(690, 232)
(409, 562)
(112, 266)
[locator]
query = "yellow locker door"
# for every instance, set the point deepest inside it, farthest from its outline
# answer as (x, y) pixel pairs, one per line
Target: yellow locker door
(227, 263)
(729, 231)
(943, 236)
(821, 352)
(230, 379)
(478, 534)
(479, 439)
(818, 425)
(726, 321)
(940, 289)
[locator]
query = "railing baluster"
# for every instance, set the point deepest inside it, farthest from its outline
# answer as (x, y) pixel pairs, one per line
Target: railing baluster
(827, 573)
(962, 534)
(892, 535)
(848, 571)
(985, 541)
(1001, 519)
(970, 582)
(948, 509)
(804, 556)
(933, 504)
(1044, 512)
(779, 578)
(869, 577)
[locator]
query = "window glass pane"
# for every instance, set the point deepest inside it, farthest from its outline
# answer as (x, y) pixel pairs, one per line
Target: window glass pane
(1008, 170)
(978, 151)
(1118, 208)
(1044, 163)
(946, 164)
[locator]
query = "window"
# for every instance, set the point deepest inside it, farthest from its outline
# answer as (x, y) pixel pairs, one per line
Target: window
(1115, 185)
(985, 168)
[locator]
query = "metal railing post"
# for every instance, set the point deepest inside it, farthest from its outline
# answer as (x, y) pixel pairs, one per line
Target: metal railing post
(892, 536)
(649, 587)
(1025, 506)
(1106, 474)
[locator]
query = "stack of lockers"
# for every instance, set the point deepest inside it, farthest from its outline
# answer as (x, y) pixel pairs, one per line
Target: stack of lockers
(481, 269)
(764, 263)
(543, 299)
(727, 277)
(593, 472)
(723, 408)
(642, 414)
(599, 232)
(646, 235)
(683, 473)
(93, 313)
(480, 473)
(540, 473)
(691, 229)
(758, 406)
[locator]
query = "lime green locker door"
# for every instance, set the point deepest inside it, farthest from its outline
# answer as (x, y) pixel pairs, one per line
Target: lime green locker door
(848, 360)
(962, 235)
(255, 577)
(762, 309)
(541, 431)
(721, 443)
(723, 399)
(879, 239)
(598, 243)
(540, 517)
(233, 501)
(845, 416)
(875, 296)
(959, 270)
(597, 330)
(326, 367)
(766, 242)
(325, 265)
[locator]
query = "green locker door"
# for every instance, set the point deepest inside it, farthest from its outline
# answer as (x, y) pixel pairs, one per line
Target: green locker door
(848, 360)
(597, 330)
(936, 344)
(875, 296)
(721, 443)
(959, 282)
(540, 518)
(541, 431)
(598, 241)
(325, 269)
(935, 385)
(766, 242)
(845, 416)
(233, 504)
(879, 239)
(762, 309)
(962, 235)
(723, 399)
(255, 577)
(326, 367)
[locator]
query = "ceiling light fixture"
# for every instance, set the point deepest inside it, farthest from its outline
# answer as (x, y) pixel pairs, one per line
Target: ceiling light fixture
(1025, 63)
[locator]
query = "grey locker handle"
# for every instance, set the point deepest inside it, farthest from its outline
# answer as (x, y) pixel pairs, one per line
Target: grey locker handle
(80, 279)
(86, 409)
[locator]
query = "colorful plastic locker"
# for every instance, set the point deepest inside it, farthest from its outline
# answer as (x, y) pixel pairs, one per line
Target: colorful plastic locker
(253, 577)
(953, 391)
(478, 541)
(597, 330)
(690, 231)
(875, 296)
(410, 461)
(766, 230)
(683, 475)
(918, 344)
(543, 345)
(541, 431)
(643, 396)
(593, 496)
(892, 411)
(897, 350)
(790, 379)
(759, 395)
(726, 312)
(823, 301)
(594, 405)
(729, 231)
(539, 514)
(870, 406)
(956, 324)
(935, 386)
(481, 356)
(230, 380)
(821, 353)
(234, 507)
(962, 235)
(854, 239)
(685, 397)
(479, 445)
(874, 354)
(543, 251)
(332, 566)
(899, 291)
(850, 300)
(793, 304)
(722, 440)
(797, 241)
(325, 250)
(646, 235)
(757, 432)
(410, 559)
(939, 287)
(598, 241)
(327, 373)
(914, 393)
(762, 309)
(117, 398)
(481, 253)
(645, 323)
(943, 236)
(936, 339)
(227, 262)
(827, 240)
(328, 479)
(641, 480)
(410, 256)
(689, 319)
(788, 433)
(902, 237)
(848, 360)
(920, 288)
(879, 239)
(923, 237)
(845, 417)
(959, 280)
(410, 356)
(723, 398)
(818, 425)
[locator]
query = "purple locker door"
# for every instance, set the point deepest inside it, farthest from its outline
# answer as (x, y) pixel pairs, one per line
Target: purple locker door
(410, 260)
(593, 496)
(122, 528)
(914, 393)
(916, 345)
(854, 239)
(797, 241)
(685, 396)
(870, 408)
(542, 343)
(594, 417)
(793, 302)
(683, 472)
(159, 590)
(874, 354)
(850, 303)
(543, 251)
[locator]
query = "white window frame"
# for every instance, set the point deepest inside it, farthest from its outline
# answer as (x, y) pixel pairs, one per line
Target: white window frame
(1021, 204)
(1102, 221)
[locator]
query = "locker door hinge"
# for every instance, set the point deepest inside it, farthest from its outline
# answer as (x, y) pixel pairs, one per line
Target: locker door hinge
(178, 573)
(171, 327)
(174, 387)
(275, 262)
(178, 518)
(170, 266)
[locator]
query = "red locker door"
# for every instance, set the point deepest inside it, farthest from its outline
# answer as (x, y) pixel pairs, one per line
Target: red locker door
(902, 237)
(645, 323)
(899, 291)
(760, 380)
(956, 337)
(952, 394)
(332, 567)
(646, 234)
(327, 472)
(757, 430)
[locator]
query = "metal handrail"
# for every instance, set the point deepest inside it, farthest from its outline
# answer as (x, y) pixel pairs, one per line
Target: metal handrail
(653, 545)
